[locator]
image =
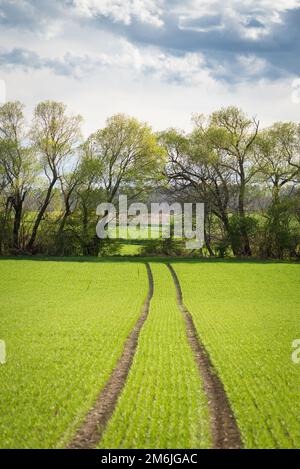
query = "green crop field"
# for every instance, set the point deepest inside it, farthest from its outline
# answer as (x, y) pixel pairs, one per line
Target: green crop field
(247, 315)
(65, 323)
(163, 405)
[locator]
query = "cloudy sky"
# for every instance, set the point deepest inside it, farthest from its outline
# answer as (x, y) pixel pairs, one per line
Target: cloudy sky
(159, 60)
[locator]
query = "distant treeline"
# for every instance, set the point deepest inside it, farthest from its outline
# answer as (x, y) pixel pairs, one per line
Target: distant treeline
(51, 180)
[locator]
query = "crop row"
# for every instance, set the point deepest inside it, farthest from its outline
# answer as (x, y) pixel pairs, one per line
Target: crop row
(64, 324)
(247, 316)
(162, 404)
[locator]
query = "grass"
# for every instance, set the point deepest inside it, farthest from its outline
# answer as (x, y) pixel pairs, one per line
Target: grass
(247, 315)
(127, 249)
(162, 404)
(64, 324)
(65, 321)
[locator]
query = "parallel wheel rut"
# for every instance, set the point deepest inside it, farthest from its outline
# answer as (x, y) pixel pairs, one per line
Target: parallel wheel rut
(224, 428)
(91, 431)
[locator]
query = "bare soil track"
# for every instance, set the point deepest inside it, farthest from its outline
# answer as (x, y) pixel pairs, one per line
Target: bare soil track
(90, 433)
(225, 431)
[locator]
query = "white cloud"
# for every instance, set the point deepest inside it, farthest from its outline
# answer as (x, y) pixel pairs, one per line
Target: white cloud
(188, 69)
(251, 65)
(235, 15)
(145, 11)
(267, 8)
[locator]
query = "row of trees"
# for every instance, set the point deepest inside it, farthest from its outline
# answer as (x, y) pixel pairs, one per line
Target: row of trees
(248, 178)
(51, 180)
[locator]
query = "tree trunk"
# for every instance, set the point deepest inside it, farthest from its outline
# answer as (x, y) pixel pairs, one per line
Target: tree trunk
(66, 214)
(18, 208)
(276, 194)
(226, 225)
(41, 214)
(63, 223)
(85, 220)
(207, 244)
(246, 249)
(3, 236)
(207, 236)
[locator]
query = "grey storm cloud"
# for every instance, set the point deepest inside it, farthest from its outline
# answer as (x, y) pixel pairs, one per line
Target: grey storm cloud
(234, 46)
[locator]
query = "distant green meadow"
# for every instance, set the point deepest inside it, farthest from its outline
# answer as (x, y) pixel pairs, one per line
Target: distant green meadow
(65, 322)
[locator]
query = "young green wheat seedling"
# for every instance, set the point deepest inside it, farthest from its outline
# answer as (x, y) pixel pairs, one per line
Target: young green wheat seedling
(2, 352)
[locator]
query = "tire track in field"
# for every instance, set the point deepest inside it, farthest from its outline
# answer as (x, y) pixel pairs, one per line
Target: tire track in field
(225, 431)
(91, 431)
